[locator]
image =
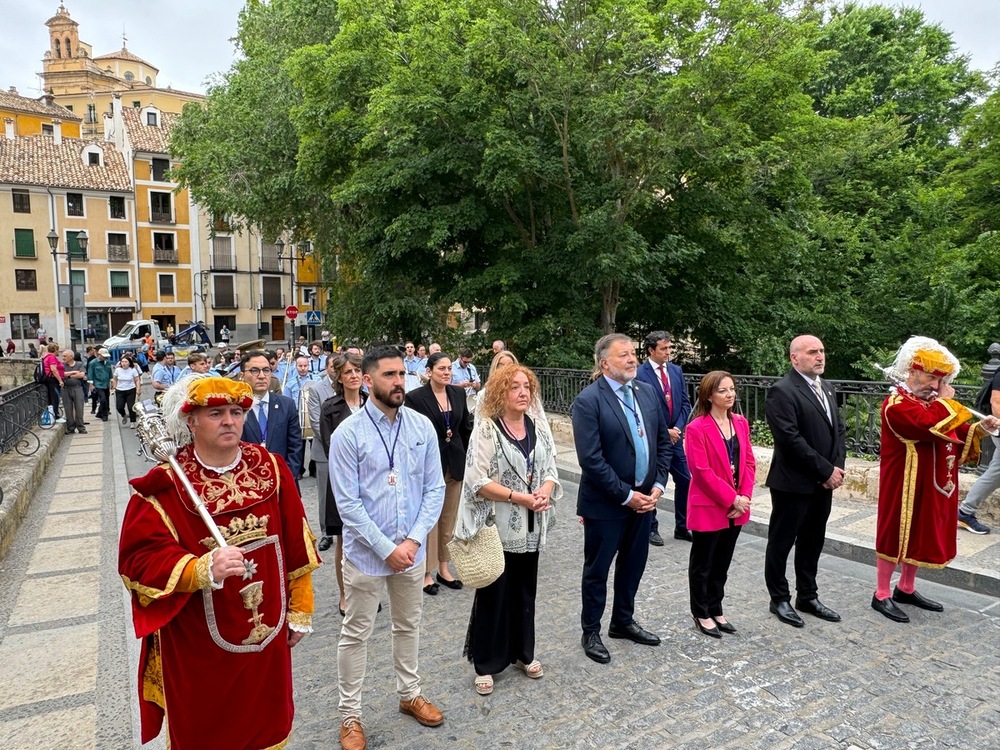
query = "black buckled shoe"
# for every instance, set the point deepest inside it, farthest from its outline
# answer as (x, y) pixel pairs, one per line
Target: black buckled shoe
(901, 597)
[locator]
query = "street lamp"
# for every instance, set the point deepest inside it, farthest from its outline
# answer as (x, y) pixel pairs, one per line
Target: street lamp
(82, 241)
(279, 243)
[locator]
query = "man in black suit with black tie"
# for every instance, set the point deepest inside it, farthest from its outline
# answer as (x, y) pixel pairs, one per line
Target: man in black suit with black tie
(807, 466)
(624, 452)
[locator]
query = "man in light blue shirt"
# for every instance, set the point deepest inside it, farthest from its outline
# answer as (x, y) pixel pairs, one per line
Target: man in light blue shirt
(385, 467)
(463, 373)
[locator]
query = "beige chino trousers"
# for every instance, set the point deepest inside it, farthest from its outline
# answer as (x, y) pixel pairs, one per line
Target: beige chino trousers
(362, 594)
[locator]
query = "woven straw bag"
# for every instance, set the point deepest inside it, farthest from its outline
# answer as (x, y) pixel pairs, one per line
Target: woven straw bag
(479, 561)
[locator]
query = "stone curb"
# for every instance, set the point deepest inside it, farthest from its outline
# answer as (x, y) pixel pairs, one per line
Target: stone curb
(22, 475)
(959, 574)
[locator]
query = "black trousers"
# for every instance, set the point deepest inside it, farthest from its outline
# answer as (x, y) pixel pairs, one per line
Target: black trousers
(708, 569)
(53, 392)
(124, 401)
(628, 538)
(103, 402)
(799, 520)
(502, 626)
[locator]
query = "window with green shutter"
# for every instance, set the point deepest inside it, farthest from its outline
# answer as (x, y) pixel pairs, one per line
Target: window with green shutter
(79, 278)
(120, 284)
(24, 243)
(73, 246)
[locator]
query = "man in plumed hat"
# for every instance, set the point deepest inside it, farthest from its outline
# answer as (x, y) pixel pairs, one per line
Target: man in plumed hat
(217, 623)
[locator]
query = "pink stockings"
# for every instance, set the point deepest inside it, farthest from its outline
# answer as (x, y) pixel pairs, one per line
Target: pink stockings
(883, 578)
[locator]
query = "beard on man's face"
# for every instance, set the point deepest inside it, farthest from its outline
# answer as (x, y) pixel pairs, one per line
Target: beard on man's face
(392, 396)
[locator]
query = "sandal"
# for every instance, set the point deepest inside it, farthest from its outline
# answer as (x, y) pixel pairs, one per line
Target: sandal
(533, 670)
(484, 684)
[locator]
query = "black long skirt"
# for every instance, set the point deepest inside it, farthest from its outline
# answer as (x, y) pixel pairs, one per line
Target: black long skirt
(502, 625)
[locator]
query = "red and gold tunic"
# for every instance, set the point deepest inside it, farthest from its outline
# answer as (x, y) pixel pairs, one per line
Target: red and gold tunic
(217, 661)
(923, 444)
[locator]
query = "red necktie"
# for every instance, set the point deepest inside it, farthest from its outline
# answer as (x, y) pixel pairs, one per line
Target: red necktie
(666, 389)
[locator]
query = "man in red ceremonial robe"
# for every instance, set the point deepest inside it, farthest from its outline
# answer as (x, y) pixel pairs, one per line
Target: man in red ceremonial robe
(926, 436)
(217, 623)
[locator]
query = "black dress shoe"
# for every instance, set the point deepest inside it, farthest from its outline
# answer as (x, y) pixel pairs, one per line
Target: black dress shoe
(432, 589)
(816, 608)
(325, 543)
(785, 613)
(455, 584)
(634, 633)
(684, 536)
(714, 632)
(655, 539)
(901, 597)
(594, 648)
(726, 627)
(888, 608)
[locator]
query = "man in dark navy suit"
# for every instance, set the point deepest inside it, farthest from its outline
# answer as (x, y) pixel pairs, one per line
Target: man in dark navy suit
(624, 452)
(273, 420)
(668, 380)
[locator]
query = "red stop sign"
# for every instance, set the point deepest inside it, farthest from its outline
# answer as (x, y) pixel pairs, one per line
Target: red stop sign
(292, 312)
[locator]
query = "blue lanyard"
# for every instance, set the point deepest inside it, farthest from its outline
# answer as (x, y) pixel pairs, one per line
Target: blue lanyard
(391, 455)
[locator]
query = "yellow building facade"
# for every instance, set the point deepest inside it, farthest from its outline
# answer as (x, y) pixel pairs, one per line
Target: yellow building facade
(65, 186)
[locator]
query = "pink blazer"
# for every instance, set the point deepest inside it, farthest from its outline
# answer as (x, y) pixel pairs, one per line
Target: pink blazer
(712, 493)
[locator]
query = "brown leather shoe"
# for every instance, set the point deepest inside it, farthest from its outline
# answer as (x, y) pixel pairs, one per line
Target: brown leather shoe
(423, 711)
(352, 734)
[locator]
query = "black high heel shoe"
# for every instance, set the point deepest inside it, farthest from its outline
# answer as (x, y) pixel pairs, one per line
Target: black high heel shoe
(714, 632)
(725, 627)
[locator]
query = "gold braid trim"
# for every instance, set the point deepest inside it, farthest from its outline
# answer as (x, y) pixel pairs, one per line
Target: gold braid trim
(281, 745)
(314, 561)
(147, 594)
(152, 676)
(301, 619)
(972, 448)
(163, 515)
(202, 578)
(957, 415)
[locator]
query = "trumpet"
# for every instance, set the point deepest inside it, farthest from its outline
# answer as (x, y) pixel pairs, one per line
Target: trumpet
(156, 443)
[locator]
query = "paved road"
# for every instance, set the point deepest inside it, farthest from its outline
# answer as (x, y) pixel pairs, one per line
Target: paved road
(865, 683)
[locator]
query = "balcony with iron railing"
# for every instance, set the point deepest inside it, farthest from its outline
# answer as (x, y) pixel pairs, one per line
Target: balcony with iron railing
(271, 263)
(161, 217)
(121, 291)
(223, 260)
(164, 255)
(118, 253)
(225, 300)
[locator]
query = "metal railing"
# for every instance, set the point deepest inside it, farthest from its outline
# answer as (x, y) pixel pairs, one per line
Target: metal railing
(20, 410)
(118, 253)
(859, 402)
(164, 255)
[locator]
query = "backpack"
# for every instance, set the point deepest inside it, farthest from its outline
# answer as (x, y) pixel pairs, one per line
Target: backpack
(40, 374)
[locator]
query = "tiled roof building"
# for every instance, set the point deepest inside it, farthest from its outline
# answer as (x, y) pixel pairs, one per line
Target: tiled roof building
(40, 160)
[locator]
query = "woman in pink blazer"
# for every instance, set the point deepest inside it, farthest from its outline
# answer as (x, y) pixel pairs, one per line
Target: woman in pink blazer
(717, 445)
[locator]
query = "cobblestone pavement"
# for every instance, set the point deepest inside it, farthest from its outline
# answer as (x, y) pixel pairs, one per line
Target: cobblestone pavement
(865, 683)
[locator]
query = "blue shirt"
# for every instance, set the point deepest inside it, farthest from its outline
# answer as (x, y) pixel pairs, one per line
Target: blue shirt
(294, 385)
(414, 369)
(461, 374)
(166, 374)
(378, 515)
(616, 387)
